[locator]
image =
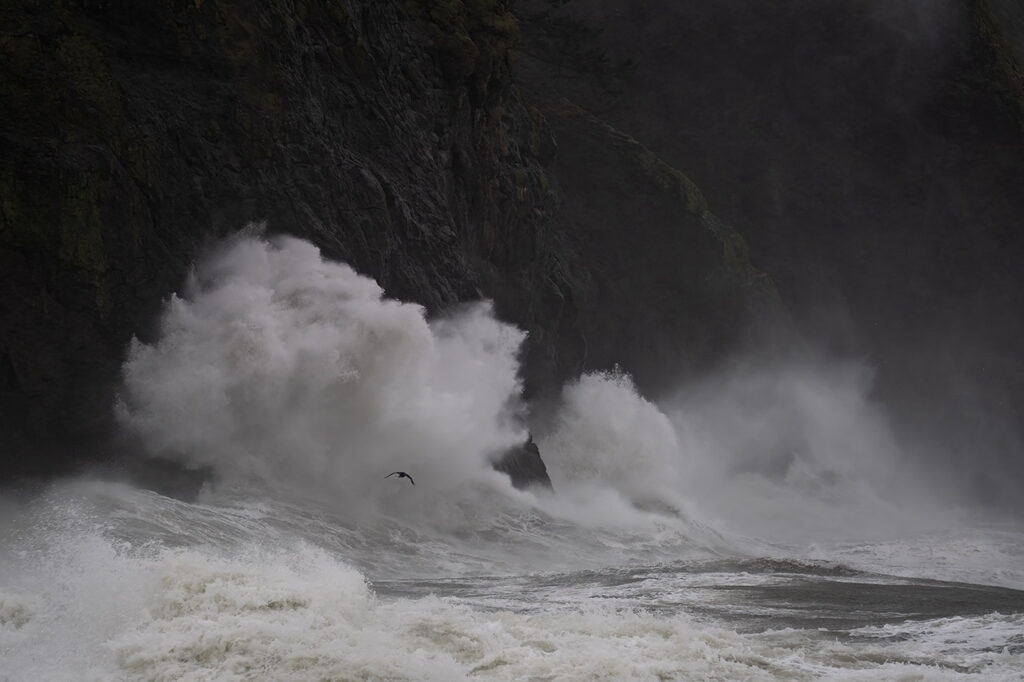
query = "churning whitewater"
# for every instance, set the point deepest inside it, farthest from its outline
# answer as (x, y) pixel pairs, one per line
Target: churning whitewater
(759, 525)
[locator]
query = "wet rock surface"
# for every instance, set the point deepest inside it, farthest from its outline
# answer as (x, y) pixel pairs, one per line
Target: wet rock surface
(525, 466)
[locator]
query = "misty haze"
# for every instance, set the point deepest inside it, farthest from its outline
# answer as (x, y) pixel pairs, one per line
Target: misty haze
(512, 339)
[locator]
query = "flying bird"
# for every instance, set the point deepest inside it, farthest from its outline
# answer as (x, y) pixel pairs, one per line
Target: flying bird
(401, 474)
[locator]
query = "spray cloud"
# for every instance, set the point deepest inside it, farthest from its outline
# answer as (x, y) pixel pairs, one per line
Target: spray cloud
(281, 367)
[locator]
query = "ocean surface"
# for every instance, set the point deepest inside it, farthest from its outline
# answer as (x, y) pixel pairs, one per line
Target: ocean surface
(763, 524)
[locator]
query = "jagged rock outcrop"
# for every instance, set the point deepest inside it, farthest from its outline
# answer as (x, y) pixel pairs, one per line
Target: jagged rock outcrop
(525, 466)
(389, 132)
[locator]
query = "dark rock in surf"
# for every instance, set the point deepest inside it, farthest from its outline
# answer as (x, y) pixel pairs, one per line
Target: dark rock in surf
(163, 476)
(523, 464)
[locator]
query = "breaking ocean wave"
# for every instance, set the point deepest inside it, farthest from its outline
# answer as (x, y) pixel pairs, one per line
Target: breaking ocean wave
(701, 538)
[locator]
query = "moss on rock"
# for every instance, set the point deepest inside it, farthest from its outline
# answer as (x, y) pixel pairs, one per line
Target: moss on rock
(88, 75)
(468, 32)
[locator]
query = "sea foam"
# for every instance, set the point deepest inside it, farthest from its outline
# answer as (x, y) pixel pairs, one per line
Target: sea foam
(278, 367)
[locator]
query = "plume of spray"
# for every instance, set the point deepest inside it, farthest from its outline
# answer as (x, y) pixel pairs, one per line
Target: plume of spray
(278, 367)
(281, 368)
(606, 431)
(785, 450)
(613, 452)
(797, 450)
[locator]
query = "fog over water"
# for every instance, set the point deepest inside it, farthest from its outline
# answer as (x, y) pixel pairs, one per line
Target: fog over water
(719, 534)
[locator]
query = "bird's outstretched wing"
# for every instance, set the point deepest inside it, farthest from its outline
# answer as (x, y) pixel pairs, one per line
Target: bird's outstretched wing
(401, 474)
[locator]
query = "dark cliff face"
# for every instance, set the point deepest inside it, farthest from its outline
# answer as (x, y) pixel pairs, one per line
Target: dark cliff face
(390, 133)
(869, 152)
(671, 286)
(852, 142)
(134, 133)
(872, 154)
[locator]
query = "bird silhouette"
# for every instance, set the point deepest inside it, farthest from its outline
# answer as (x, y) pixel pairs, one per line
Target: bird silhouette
(401, 474)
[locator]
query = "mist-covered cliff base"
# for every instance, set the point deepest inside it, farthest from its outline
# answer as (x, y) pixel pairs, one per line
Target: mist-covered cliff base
(870, 153)
(641, 185)
(391, 134)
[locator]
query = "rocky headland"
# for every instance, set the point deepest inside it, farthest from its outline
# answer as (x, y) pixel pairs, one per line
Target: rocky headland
(597, 169)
